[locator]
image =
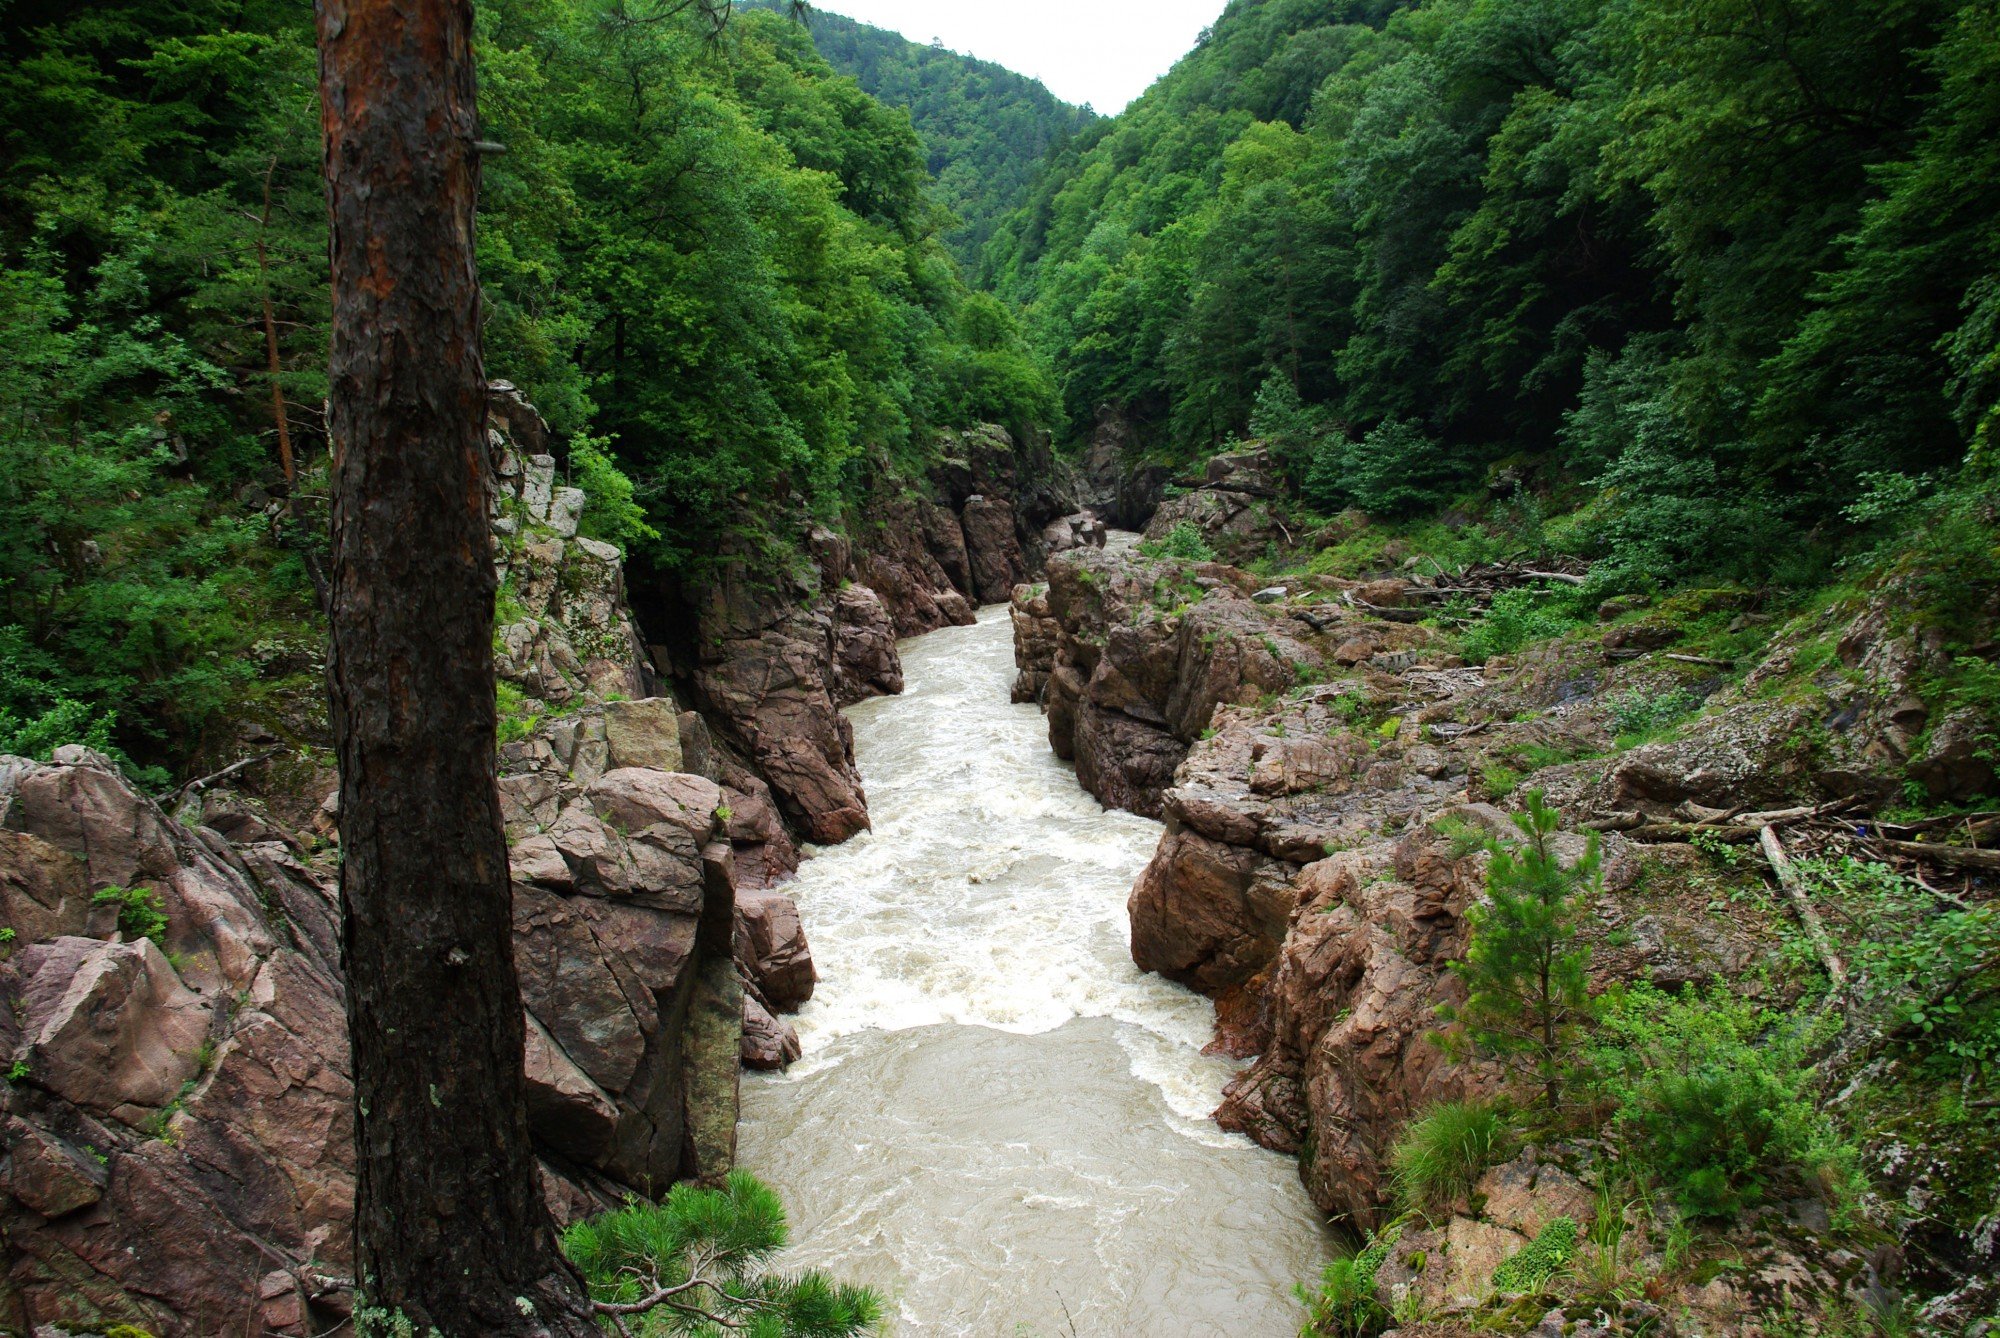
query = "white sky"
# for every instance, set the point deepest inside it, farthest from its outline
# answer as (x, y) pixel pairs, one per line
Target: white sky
(1103, 52)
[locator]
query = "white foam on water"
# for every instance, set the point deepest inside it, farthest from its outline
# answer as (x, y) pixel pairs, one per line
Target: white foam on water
(1040, 1152)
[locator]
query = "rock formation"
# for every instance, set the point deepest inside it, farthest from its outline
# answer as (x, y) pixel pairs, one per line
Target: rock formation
(1327, 774)
(178, 1125)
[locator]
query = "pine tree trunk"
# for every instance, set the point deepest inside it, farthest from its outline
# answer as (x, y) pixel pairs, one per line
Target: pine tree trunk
(450, 1229)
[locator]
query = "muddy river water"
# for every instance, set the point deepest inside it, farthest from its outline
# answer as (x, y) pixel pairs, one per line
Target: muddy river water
(998, 1121)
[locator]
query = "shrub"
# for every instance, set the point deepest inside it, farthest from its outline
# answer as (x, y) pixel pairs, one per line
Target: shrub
(706, 1248)
(1396, 470)
(1525, 971)
(1638, 713)
(1531, 1268)
(1290, 429)
(1712, 1095)
(1344, 1305)
(1184, 542)
(1517, 617)
(1439, 1155)
(140, 914)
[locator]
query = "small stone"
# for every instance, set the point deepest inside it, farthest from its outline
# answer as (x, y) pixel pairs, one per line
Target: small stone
(1271, 594)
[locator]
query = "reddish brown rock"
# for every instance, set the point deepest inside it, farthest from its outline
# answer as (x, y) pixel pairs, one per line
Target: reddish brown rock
(993, 548)
(768, 1042)
(865, 660)
(1036, 634)
(772, 950)
(1207, 914)
(108, 1025)
(48, 1174)
(243, 1174)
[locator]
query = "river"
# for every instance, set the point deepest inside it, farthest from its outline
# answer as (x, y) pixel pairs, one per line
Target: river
(998, 1120)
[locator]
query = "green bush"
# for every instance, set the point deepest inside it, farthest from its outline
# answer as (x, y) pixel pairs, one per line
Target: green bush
(712, 1245)
(1712, 1094)
(1184, 542)
(1395, 470)
(1638, 713)
(1526, 971)
(1439, 1155)
(140, 913)
(1549, 1253)
(1344, 1304)
(1517, 617)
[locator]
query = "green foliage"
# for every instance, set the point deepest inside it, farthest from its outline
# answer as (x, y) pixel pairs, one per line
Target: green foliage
(1930, 976)
(1525, 970)
(517, 713)
(1184, 542)
(1344, 1304)
(712, 1245)
(1517, 617)
(717, 269)
(1439, 1155)
(140, 911)
(1714, 259)
(1532, 1268)
(985, 129)
(1637, 713)
(1396, 469)
(1712, 1095)
(611, 514)
(1294, 432)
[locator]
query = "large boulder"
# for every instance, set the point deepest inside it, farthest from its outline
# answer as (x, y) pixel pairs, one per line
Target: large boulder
(771, 948)
(109, 1026)
(993, 548)
(865, 660)
(181, 1140)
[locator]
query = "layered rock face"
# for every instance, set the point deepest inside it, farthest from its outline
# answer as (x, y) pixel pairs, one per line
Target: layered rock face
(1327, 774)
(776, 655)
(1132, 657)
(1232, 508)
(179, 1124)
(1117, 484)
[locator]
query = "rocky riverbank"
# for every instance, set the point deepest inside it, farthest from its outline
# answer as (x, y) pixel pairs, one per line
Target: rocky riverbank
(1328, 768)
(177, 1112)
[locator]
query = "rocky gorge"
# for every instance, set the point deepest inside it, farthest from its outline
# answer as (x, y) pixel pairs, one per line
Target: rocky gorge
(1332, 775)
(178, 1126)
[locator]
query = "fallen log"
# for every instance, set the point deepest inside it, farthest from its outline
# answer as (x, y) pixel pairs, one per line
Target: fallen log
(1788, 878)
(1965, 857)
(203, 782)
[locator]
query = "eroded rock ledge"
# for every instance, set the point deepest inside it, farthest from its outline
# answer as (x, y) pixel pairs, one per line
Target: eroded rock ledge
(1319, 768)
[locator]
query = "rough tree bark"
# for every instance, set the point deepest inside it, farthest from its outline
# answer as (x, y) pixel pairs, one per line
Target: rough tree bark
(449, 1226)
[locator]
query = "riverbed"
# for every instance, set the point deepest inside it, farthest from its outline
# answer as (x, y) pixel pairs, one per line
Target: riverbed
(998, 1120)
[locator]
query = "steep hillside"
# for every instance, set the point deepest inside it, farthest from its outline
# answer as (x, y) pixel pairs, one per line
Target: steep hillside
(1728, 265)
(985, 128)
(716, 271)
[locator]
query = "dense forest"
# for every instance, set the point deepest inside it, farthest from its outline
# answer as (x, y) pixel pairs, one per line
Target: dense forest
(986, 129)
(1727, 265)
(713, 263)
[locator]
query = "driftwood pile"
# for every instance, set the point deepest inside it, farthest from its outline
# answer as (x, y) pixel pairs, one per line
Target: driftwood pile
(1471, 587)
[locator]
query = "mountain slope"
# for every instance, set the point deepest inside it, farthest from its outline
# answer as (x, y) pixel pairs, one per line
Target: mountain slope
(986, 129)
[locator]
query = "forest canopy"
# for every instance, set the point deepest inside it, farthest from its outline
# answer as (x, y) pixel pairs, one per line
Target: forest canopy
(1731, 265)
(713, 263)
(986, 129)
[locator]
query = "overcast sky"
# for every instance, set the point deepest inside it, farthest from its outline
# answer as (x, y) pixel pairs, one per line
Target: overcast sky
(1103, 52)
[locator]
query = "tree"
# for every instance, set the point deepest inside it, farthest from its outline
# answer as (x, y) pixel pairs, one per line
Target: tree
(450, 1230)
(1525, 972)
(693, 1265)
